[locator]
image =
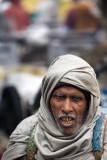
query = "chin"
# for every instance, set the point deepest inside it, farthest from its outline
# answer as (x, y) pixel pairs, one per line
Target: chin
(69, 132)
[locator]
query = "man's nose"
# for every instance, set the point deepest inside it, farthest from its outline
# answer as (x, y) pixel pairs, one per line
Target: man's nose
(67, 106)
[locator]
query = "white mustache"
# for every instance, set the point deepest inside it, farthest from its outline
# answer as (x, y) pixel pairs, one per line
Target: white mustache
(67, 116)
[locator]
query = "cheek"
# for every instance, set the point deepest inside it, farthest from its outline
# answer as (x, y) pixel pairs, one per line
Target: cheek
(55, 108)
(85, 107)
(54, 111)
(52, 107)
(81, 109)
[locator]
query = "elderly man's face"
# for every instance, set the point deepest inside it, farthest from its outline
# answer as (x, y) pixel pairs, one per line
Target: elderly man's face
(68, 106)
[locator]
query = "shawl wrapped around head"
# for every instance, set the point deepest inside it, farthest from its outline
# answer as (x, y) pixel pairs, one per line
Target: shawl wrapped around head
(51, 143)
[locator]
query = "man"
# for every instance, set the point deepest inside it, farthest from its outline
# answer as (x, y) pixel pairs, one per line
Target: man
(64, 125)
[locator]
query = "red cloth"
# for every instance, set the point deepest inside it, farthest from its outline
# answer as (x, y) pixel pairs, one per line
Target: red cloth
(19, 17)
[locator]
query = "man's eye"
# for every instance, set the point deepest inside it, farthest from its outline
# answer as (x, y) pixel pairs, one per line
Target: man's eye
(77, 98)
(58, 95)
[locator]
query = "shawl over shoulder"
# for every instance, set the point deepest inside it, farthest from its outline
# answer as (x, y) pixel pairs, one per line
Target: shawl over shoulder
(19, 139)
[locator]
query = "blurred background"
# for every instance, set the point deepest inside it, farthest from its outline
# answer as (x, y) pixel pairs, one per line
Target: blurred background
(32, 34)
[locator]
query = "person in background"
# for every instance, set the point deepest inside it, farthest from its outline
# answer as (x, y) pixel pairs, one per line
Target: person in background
(83, 16)
(65, 125)
(103, 6)
(47, 11)
(16, 16)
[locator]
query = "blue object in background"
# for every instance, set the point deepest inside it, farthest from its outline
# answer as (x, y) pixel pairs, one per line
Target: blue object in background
(104, 100)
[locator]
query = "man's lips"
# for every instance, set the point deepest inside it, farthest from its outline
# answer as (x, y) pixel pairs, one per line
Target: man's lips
(67, 121)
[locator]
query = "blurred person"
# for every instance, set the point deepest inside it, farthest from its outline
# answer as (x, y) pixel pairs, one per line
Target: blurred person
(103, 6)
(83, 16)
(16, 15)
(10, 109)
(69, 122)
(46, 11)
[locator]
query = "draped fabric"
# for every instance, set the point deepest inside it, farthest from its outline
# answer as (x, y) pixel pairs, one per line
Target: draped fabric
(51, 143)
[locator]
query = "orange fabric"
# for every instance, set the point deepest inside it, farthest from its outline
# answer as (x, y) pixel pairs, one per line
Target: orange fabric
(80, 17)
(83, 17)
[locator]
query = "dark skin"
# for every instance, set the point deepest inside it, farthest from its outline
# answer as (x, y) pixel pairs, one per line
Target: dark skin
(68, 105)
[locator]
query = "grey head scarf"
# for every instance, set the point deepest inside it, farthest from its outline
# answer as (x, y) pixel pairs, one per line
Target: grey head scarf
(51, 143)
